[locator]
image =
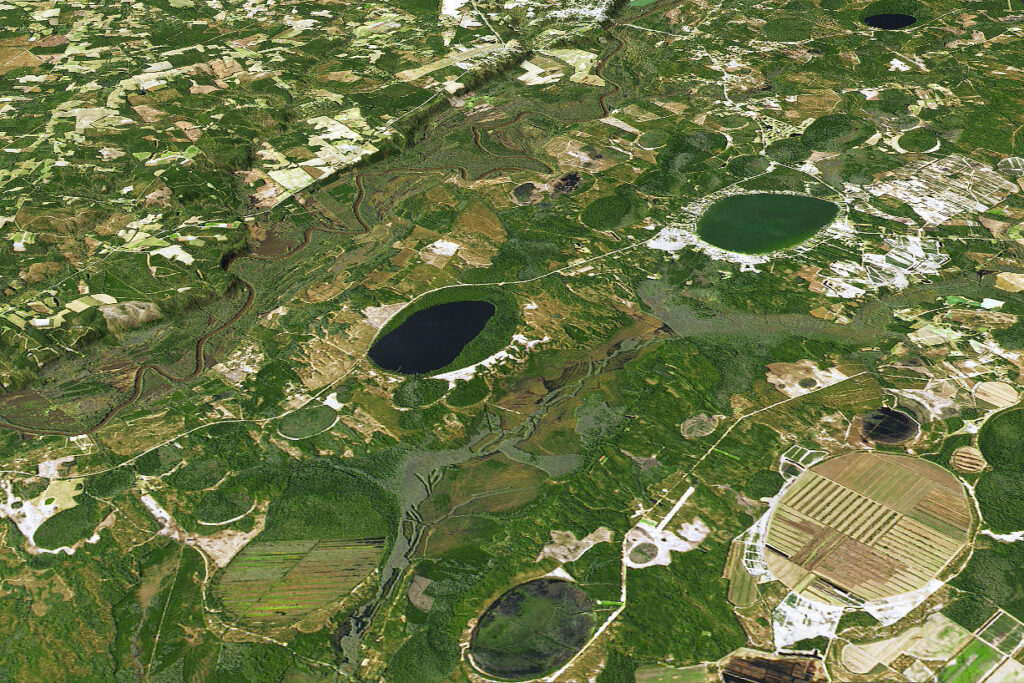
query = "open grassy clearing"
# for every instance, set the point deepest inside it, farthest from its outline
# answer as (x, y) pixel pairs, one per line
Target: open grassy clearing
(307, 422)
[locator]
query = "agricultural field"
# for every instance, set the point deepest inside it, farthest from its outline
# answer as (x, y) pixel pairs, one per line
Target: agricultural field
(867, 526)
(1003, 632)
(278, 582)
(665, 674)
(436, 341)
(974, 663)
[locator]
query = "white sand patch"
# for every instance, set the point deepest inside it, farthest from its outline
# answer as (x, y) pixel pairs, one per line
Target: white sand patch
(535, 75)
(378, 316)
(50, 469)
(450, 8)
(516, 351)
(890, 610)
(665, 541)
(442, 248)
(560, 573)
(580, 60)
(29, 515)
(1013, 537)
(797, 618)
(240, 363)
(565, 547)
(175, 253)
(220, 547)
(438, 253)
(672, 239)
(802, 377)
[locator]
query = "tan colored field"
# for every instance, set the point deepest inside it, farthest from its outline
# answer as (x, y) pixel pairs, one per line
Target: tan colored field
(936, 639)
(1011, 671)
(742, 585)
(277, 582)
(968, 459)
(868, 525)
(668, 674)
(998, 394)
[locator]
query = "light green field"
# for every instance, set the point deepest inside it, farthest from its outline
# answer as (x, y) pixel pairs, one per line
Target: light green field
(970, 666)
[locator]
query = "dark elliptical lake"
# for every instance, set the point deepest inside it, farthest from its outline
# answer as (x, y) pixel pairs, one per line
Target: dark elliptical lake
(762, 223)
(430, 339)
(890, 22)
(532, 629)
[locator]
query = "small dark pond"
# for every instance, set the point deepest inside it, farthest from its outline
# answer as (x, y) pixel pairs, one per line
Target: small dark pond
(888, 426)
(524, 192)
(566, 184)
(890, 22)
(532, 629)
(432, 338)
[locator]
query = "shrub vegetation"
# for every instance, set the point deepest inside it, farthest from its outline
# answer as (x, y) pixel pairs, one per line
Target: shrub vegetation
(837, 133)
(418, 391)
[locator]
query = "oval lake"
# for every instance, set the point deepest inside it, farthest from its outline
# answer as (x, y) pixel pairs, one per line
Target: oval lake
(890, 22)
(430, 339)
(761, 223)
(532, 629)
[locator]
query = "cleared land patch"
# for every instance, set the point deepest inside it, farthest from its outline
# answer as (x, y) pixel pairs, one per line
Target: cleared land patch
(938, 638)
(276, 582)
(866, 526)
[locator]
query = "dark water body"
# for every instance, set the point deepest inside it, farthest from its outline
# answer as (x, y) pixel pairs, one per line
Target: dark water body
(432, 338)
(890, 22)
(532, 629)
(888, 426)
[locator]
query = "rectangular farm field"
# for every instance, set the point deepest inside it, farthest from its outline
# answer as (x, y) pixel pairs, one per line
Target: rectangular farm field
(1003, 633)
(970, 666)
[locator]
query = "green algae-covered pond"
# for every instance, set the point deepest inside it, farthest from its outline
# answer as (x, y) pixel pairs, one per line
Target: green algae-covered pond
(760, 223)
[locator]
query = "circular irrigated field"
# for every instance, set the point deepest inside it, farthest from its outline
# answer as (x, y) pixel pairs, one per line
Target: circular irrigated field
(867, 525)
(762, 223)
(532, 629)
